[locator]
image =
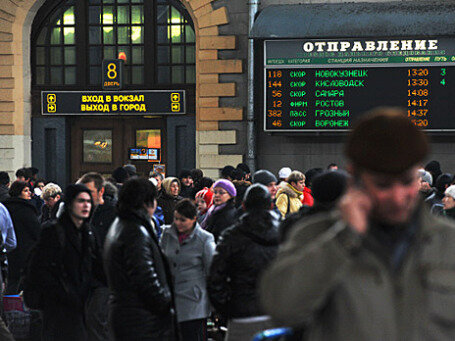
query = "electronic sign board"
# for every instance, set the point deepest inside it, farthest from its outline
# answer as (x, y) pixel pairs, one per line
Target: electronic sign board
(147, 102)
(324, 85)
(148, 154)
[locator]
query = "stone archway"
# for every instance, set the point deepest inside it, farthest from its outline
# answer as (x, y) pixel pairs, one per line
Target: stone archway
(16, 17)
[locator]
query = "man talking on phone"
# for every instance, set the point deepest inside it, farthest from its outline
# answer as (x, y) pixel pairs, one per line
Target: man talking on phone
(380, 267)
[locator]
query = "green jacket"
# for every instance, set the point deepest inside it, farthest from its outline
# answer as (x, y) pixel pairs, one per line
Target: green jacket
(338, 285)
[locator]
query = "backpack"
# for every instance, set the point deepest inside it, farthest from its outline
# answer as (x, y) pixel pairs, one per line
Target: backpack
(32, 294)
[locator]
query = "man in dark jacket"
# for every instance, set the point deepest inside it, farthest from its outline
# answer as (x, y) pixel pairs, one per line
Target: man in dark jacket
(242, 253)
(141, 305)
(62, 268)
(103, 216)
(381, 266)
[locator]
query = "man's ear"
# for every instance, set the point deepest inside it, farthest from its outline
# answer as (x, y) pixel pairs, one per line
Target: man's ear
(102, 191)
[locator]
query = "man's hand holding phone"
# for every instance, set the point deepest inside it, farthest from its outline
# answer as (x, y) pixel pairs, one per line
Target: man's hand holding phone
(355, 207)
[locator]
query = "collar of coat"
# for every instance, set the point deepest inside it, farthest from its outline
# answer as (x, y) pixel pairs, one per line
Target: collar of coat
(174, 232)
(289, 190)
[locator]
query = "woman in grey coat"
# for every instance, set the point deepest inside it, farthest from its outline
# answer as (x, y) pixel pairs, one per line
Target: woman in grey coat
(189, 250)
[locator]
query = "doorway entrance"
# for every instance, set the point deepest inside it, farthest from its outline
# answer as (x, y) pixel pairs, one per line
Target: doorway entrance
(103, 144)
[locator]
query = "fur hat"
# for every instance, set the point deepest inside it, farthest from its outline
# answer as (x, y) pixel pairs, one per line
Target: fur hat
(386, 141)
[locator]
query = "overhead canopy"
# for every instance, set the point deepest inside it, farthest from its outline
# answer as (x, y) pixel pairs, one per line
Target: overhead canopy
(372, 19)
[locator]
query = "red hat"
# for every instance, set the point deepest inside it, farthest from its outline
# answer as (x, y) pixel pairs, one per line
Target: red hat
(205, 194)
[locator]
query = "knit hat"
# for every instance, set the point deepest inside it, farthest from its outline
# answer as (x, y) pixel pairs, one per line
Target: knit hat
(426, 176)
(206, 194)
(329, 186)
(184, 173)
(284, 172)
(73, 190)
(257, 196)
(131, 169)
(227, 186)
(264, 177)
(450, 191)
(386, 141)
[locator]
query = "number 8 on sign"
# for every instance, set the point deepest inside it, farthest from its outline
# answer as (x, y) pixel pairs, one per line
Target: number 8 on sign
(111, 71)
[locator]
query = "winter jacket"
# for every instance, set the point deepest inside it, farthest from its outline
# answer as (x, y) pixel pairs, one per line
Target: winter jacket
(62, 269)
(189, 263)
(341, 286)
(27, 228)
(167, 203)
(308, 199)
(288, 199)
(139, 280)
(242, 254)
(102, 218)
(220, 220)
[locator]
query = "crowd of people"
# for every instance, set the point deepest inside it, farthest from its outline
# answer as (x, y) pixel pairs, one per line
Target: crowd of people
(167, 254)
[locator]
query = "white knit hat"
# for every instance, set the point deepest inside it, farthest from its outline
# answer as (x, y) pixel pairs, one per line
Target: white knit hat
(450, 191)
(284, 172)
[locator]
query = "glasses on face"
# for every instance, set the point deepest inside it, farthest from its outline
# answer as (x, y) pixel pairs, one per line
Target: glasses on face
(219, 192)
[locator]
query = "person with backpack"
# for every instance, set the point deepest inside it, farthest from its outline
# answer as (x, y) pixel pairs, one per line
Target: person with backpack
(290, 194)
(243, 252)
(61, 269)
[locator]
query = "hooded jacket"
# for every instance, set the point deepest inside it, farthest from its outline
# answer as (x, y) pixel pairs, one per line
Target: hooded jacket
(288, 199)
(241, 255)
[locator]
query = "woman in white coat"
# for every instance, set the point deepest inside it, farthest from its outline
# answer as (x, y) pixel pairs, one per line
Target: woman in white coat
(189, 250)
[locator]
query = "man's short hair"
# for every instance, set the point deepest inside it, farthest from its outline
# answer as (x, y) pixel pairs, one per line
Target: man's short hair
(385, 140)
(296, 176)
(134, 194)
(97, 178)
(51, 190)
(4, 178)
(21, 173)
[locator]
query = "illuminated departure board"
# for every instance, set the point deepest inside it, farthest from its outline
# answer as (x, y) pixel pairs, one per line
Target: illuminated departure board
(315, 85)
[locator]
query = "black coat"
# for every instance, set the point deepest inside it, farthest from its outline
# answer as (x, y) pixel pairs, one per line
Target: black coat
(61, 268)
(220, 220)
(102, 219)
(4, 193)
(242, 253)
(167, 203)
(27, 228)
(141, 306)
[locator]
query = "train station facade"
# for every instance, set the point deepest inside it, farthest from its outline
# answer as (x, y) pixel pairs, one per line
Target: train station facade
(209, 51)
